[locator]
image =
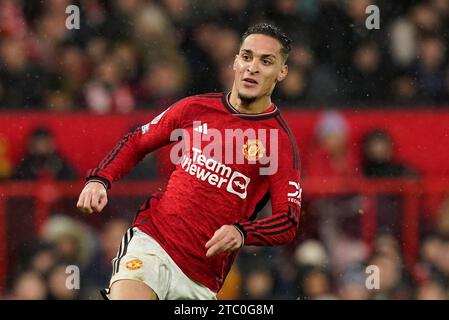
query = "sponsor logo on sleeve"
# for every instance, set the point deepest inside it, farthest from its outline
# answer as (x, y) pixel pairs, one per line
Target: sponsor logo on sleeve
(295, 195)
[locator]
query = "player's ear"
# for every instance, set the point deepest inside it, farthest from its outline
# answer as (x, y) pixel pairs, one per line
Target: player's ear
(283, 73)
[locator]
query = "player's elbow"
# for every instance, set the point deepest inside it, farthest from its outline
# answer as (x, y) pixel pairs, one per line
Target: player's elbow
(289, 235)
(292, 235)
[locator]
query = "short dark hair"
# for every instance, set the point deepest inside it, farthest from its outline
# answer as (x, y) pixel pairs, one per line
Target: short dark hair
(271, 31)
(377, 134)
(41, 132)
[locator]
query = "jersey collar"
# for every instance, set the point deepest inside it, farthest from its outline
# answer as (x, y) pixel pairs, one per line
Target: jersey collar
(273, 110)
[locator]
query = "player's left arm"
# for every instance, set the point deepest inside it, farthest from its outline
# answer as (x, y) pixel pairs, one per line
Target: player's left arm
(281, 227)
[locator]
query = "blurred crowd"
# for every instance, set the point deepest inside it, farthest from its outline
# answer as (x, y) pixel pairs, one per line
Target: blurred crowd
(141, 54)
(308, 270)
(327, 260)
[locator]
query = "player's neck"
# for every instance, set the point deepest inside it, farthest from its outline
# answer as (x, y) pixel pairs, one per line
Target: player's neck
(259, 105)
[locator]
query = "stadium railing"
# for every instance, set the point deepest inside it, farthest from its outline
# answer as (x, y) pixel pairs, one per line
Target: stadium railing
(44, 193)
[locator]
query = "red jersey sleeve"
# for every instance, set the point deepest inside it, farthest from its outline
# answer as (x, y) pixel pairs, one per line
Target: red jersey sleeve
(285, 195)
(136, 144)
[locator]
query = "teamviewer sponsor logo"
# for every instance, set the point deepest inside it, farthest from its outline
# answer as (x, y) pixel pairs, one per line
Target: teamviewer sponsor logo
(215, 173)
(238, 184)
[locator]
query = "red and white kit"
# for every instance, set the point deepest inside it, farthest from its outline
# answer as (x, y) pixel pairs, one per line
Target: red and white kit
(204, 192)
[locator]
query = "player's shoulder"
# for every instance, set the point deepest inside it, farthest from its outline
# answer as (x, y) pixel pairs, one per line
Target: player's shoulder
(188, 102)
(282, 124)
(206, 97)
(212, 99)
(288, 139)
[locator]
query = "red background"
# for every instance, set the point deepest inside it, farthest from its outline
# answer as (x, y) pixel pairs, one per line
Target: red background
(421, 136)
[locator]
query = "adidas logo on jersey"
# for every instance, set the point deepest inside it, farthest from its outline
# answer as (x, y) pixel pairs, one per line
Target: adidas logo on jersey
(202, 128)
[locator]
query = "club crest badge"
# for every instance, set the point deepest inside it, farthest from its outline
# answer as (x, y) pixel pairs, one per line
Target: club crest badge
(253, 150)
(134, 264)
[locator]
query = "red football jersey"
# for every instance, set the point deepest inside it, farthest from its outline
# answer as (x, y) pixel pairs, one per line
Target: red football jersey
(229, 165)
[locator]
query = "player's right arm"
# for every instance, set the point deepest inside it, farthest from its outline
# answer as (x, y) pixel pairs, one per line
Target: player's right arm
(126, 154)
(93, 198)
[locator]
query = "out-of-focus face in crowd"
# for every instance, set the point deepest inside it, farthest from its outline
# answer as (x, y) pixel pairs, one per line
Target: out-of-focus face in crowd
(41, 144)
(111, 236)
(378, 148)
(29, 286)
(12, 54)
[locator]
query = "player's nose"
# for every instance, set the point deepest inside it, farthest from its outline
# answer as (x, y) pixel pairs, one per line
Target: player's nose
(253, 66)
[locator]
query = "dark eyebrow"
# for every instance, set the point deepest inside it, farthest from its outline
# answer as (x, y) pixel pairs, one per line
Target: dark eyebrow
(268, 55)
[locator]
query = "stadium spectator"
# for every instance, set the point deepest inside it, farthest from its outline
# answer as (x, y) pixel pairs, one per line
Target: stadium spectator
(22, 84)
(97, 272)
(58, 101)
(288, 16)
(57, 284)
(12, 19)
(163, 83)
(403, 90)
(72, 72)
(337, 216)
(72, 241)
(429, 70)
(145, 31)
(378, 161)
(258, 285)
(42, 160)
(294, 89)
(30, 285)
(368, 78)
(330, 155)
(314, 284)
(393, 282)
(106, 91)
(379, 158)
(235, 14)
(43, 259)
(180, 13)
(442, 219)
(255, 284)
(312, 83)
(120, 13)
(431, 290)
(351, 284)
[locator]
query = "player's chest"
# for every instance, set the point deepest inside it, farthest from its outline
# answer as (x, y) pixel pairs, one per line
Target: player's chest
(230, 141)
(229, 155)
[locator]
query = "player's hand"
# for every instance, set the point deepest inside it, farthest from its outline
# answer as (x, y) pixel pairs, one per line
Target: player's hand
(93, 198)
(227, 238)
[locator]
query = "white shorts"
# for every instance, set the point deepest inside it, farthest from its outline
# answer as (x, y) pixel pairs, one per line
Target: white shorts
(141, 258)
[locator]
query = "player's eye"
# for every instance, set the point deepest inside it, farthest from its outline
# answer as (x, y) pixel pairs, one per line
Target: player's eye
(246, 57)
(267, 62)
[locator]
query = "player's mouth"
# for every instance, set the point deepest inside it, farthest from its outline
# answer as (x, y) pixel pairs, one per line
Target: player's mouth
(249, 82)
